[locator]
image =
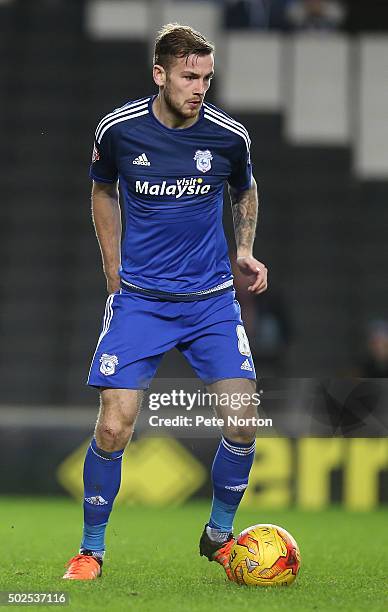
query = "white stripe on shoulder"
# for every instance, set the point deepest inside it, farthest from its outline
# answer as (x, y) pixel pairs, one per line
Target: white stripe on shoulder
(118, 120)
(127, 107)
(226, 118)
(223, 115)
(233, 124)
(227, 126)
(125, 112)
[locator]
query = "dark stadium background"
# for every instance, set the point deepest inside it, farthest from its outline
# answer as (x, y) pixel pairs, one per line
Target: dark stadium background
(322, 234)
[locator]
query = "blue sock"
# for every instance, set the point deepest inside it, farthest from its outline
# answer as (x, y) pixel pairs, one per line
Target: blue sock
(102, 477)
(230, 472)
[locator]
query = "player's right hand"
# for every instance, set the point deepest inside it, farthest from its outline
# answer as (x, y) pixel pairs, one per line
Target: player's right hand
(112, 284)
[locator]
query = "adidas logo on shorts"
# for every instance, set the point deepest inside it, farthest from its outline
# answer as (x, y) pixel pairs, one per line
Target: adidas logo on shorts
(246, 366)
(142, 160)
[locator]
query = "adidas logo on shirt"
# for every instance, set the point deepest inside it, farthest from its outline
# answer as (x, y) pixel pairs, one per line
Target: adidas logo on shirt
(246, 366)
(142, 160)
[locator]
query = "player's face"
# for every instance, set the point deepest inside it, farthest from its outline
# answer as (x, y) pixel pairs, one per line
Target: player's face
(187, 81)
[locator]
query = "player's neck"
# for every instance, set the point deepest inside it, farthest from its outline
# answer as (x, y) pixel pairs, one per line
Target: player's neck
(167, 117)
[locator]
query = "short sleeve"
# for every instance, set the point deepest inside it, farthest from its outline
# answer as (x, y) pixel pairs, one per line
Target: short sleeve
(103, 167)
(240, 177)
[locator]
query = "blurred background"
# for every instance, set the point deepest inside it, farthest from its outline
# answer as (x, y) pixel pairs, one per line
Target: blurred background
(309, 80)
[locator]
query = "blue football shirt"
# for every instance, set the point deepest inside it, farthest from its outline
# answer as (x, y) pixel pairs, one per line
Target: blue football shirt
(171, 193)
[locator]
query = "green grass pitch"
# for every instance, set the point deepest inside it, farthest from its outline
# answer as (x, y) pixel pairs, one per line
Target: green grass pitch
(152, 562)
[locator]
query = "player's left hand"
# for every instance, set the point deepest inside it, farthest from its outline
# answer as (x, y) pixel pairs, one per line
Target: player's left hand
(252, 267)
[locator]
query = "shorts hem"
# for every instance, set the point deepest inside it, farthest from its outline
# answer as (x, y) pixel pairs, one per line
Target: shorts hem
(133, 387)
(219, 378)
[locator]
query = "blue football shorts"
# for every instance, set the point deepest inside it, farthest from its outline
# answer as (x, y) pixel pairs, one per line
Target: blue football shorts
(138, 330)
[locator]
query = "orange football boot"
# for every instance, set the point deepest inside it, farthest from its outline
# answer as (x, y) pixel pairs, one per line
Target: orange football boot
(215, 551)
(83, 567)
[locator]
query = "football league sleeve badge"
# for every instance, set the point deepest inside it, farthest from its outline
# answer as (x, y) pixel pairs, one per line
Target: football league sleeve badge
(95, 154)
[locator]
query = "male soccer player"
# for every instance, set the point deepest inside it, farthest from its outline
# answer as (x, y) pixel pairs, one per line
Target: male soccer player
(170, 282)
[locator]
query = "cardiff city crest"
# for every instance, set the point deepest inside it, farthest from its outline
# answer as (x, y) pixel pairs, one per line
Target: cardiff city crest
(108, 364)
(203, 159)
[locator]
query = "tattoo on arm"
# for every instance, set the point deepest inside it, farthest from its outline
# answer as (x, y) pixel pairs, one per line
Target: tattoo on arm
(244, 211)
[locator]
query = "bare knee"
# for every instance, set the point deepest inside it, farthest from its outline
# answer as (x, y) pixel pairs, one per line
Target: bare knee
(241, 426)
(243, 434)
(116, 419)
(112, 436)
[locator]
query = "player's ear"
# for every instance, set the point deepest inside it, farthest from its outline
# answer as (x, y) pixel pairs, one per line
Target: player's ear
(159, 75)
